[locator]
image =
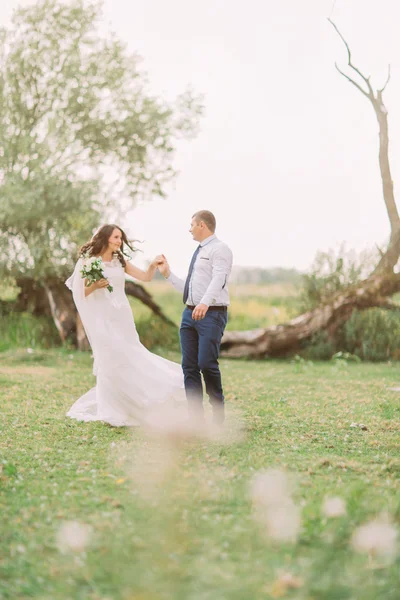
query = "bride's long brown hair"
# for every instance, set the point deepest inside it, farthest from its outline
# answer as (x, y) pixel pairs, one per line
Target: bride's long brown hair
(99, 243)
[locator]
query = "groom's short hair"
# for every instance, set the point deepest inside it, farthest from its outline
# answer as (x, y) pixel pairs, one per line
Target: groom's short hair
(207, 217)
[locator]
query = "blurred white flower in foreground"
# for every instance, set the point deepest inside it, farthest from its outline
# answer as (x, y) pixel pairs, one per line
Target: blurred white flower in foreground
(285, 582)
(161, 458)
(333, 507)
(170, 426)
(73, 536)
(158, 460)
(270, 487)
(274, 507)
(377, 538)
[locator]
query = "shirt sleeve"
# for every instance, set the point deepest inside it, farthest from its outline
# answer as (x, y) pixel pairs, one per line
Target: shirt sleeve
(178, 283)
(221, 267)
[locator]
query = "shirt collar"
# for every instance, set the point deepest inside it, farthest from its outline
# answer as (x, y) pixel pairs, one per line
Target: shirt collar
(208, 240)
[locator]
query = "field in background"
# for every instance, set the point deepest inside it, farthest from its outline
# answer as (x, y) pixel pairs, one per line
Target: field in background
(252, 306)
(372, 335)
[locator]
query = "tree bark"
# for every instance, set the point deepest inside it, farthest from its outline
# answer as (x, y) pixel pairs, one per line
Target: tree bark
(81, 339)
(31, 297)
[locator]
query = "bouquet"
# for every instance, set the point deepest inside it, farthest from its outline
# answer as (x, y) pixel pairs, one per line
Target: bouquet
(92, 270)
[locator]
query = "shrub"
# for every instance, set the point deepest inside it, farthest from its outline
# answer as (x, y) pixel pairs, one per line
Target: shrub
(333, 271)
(23, 330)
(373, 334)
(320, 347)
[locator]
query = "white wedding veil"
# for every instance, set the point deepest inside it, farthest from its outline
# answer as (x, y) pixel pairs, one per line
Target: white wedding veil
(84, 305)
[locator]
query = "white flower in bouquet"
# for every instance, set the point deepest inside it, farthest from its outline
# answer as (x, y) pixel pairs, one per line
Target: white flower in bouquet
(92, 270)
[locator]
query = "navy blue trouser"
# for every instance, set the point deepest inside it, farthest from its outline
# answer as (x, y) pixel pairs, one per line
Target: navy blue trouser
(200, 343)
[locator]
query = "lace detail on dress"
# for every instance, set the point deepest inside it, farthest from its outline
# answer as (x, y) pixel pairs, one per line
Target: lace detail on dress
(114, 262)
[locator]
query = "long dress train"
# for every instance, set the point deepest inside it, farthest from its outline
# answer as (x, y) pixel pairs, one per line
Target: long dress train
(130, 380)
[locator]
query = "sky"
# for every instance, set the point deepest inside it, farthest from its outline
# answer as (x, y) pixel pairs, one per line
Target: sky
(287, 155)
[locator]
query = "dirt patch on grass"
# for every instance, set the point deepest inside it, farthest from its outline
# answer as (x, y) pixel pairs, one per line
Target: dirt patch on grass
(38, 371)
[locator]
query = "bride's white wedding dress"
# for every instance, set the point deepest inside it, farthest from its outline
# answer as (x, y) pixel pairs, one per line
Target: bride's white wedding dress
(130, 380)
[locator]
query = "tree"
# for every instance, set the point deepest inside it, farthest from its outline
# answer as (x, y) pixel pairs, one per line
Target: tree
(81, 139)
(373, 291)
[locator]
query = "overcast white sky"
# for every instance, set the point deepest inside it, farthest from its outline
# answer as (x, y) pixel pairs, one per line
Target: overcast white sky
(287, 154)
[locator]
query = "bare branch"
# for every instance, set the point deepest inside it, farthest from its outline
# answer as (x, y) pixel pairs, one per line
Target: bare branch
(332, 9)
(387, 81)
(138, 291)
(366, 79)
(353, 82)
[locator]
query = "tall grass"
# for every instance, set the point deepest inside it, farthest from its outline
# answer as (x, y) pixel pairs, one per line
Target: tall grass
(251, 306)
(23, 330)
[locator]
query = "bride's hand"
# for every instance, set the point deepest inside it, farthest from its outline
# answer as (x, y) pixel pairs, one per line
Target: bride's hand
(101, 283)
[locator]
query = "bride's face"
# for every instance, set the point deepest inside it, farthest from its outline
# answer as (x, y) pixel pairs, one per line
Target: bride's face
(115, 240)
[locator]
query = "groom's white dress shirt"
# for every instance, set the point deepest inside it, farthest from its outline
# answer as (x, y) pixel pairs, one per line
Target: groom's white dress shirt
(208, 283)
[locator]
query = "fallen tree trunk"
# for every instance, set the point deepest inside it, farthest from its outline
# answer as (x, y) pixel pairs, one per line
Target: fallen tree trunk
(281, 340)
(137, 291)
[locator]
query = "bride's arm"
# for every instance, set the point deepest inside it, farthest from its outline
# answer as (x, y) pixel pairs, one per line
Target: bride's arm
(137, 273)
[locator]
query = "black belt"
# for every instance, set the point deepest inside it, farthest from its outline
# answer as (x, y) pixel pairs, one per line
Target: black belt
(220, 308)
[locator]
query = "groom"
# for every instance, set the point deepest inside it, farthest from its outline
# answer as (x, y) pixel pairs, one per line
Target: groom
(204, 318)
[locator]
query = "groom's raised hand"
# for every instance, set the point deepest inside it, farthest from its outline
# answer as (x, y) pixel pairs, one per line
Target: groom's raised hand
(163, 266)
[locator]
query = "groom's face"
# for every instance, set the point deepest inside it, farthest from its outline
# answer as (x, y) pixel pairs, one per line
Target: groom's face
(196, 230)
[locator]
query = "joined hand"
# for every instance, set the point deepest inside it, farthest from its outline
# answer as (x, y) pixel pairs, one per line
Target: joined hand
(157, 261)
(163, 265)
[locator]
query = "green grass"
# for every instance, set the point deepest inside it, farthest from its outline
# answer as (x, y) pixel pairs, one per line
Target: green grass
(190, 535)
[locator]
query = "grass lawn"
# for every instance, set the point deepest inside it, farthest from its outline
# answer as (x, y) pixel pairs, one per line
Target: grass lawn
(184, 529)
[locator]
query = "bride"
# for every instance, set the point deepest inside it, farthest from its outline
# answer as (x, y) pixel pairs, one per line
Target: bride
(130, 380)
